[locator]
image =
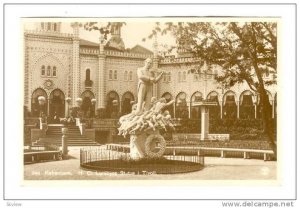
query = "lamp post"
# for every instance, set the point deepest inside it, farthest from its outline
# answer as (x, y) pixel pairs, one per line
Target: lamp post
(115, 107)
(42, 101)
(78, 105)
(93, 105)
(68, 100)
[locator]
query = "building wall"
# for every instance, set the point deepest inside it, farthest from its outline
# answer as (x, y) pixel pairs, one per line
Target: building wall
(197, 83)
(92, 63)
(122, 85)
(47, 51)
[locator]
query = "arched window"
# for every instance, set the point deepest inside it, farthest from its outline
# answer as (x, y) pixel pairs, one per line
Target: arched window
(115, 75)
(165, 77)
(179, 76)
(48, 26)
(54, 71)
(229, 109)
(88, 74)
(43, 71)
(209, 74)
(195, 110)
(54, 26)
(87, 106)
(247, 109)
(110, 74)
(126, 75)
(88, 81)
(168, 98)
(184, 76)
(214, 111)
(169, 77)
(48, 71)
(181, 106)
(57, 104)
(112, 105)
(127, 100)
(42, 26)
(36, 107)
(130, 76)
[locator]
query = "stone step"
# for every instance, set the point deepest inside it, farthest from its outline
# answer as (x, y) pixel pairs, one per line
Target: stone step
(60, 135)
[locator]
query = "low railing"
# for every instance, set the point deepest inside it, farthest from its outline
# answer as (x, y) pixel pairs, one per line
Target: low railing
(224, 152)
(211, 137)
(207, 151)
(101, 159)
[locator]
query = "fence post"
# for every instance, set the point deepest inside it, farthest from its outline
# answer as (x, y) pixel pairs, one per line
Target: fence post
(223, 154)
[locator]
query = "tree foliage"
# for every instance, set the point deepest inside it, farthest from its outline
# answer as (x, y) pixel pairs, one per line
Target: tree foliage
(104, 28)
(246, 52)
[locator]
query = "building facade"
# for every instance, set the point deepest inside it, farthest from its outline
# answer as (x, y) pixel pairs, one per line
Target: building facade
(60, 66)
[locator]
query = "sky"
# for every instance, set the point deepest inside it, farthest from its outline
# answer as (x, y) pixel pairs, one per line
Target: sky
(132, 34)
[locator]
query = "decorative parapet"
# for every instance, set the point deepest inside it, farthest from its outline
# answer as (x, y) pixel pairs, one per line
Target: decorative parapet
(34, 33)
(89, 51)
(126, 54)
(179, 60)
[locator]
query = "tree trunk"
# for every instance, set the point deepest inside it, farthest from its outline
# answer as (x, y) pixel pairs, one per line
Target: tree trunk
(267, 120)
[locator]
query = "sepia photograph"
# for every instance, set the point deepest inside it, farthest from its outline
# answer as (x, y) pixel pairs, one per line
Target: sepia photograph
(107, 102)
(184, 99)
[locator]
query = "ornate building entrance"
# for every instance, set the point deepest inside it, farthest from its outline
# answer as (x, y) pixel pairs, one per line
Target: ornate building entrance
(36, 109)
(57, 104)
(127, 98)
(88, 107)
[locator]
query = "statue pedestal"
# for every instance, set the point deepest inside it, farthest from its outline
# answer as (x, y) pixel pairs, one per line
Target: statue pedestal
(204, 122)
(137, 146)
(64, 142)
(204, 105)
(143, 144)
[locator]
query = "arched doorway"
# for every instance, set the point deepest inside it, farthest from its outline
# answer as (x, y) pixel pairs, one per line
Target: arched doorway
(214, 111)
(57, 104)
(247, 109)
(36, 109)
(112, 104)
(230, 109)
(88, 107)
(168, 98)
(127, 98)
(195, 110)
(181, 110)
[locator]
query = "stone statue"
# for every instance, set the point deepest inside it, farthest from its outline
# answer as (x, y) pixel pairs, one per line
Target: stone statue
(144, 84)
(147, 118)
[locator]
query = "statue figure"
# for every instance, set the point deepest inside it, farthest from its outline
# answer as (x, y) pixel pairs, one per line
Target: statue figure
(147, 118)
(144, 84)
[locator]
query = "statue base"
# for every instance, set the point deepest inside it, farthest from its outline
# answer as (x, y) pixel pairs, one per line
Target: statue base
(145, 145)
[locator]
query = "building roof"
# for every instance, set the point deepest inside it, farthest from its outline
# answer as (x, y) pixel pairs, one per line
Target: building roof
(140, 49)
(88, 43)
(136, 49)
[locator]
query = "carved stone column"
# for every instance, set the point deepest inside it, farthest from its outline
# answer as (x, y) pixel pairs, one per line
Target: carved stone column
(75, 62)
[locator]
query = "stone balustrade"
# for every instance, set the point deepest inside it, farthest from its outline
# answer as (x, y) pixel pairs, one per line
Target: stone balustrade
(179, 60)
